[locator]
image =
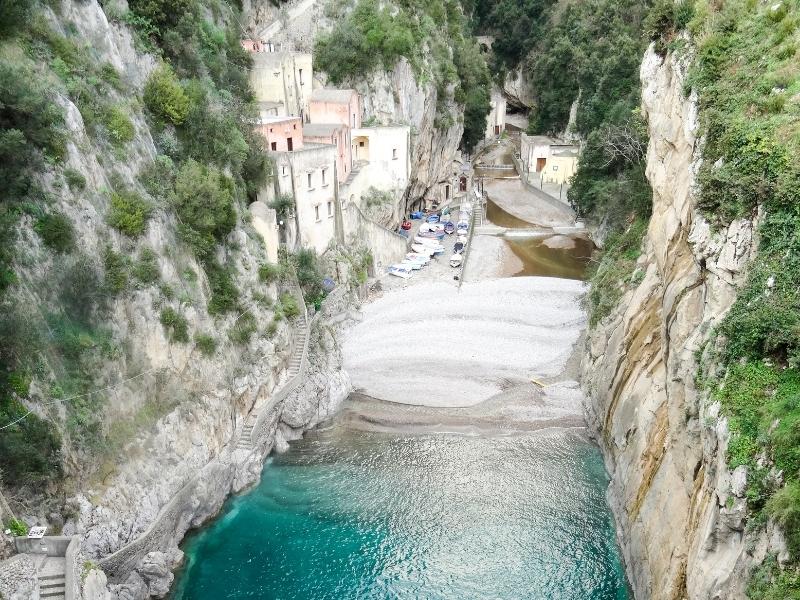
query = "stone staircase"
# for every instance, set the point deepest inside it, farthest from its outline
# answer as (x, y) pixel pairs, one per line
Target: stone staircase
(246, 441)
(52, 573)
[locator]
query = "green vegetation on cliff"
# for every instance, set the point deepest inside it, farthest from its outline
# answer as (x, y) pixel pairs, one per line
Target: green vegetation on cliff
(748, 83)
(433, 36)
(56, 301)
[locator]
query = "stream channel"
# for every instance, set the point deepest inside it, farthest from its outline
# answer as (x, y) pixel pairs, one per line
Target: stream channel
(354, 512)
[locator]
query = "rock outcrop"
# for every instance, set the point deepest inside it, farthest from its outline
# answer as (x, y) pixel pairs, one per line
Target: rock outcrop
(679, 510)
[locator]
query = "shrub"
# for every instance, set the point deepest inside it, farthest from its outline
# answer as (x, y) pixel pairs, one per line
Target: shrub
(158, 177)
(118, 125)
(164, 96)
(128, 213)
(283, 205)
(18, 528)
(269, 273)
(203, 199)
(56, 232)
(175, 324)
(784, 507)
(271, 329)
(262, 300)
(75, 180)
(224, 294)
(243, 329)
(116, 271)
(289, 306)
(145, 269)
(205, 343)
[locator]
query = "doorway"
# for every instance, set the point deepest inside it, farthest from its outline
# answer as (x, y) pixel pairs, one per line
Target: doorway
(289, 144)
(540, 163)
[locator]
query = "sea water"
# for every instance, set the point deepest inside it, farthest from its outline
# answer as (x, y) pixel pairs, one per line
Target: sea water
(346, 514)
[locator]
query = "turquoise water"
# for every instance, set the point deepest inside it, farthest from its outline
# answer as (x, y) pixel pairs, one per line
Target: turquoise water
(347, 514)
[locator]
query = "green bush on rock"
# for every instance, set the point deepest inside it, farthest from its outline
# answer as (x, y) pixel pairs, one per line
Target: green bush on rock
(128, 213)
(164, 96)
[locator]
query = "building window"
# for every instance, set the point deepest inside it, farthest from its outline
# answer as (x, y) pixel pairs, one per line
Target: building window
(309, 183)
(270, 129)
(361, 144)
(330, 209)
(274, 146)
(316, 212)
(283, 169)
(300, 74)
(294, 126)
(323, 176)
(394, 153)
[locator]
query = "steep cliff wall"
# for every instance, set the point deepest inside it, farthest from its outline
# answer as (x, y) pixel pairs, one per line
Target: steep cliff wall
(679, 510)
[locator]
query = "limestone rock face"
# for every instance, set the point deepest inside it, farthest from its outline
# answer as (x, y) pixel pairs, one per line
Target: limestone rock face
(517, 90)
(18, 578)
(678, 509)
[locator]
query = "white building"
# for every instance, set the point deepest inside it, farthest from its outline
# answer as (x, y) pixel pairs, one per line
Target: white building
(282, 83)
(309, 176)
(496, 120)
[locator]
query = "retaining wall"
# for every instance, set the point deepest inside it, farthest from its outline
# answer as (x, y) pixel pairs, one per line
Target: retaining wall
(387, 246)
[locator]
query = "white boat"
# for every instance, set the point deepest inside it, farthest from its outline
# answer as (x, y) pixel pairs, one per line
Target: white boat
(433, 227)
(422, 249)
(412, 264)
(422, 258)
(456, 260)
(403, 271)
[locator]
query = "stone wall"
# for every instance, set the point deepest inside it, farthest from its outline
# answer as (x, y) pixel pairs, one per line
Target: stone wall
(387, 246)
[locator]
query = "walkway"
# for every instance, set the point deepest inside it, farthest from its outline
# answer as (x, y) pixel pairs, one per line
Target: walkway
(52, 574)
(249, 438)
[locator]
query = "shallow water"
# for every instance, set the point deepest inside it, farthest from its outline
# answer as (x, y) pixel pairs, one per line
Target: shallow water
(537, 258)
(377, 516)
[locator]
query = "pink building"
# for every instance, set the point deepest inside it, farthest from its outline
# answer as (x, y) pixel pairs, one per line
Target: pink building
(337, 135)
(283, 134)
(336, 106)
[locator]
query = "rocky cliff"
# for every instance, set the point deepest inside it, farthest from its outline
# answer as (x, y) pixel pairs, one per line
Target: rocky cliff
(169, 410)
(680, 512)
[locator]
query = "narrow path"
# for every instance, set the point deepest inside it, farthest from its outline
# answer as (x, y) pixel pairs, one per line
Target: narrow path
(51, 575)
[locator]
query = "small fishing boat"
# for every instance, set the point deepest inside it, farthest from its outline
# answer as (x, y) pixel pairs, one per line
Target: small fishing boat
(401, 270)
(433, 218)
(449, 227)
(423, 249)
(458, 248)
(432, 235)
(417, 214)
(462, 226)
(414, 265)
(420, 258)
(406, 225)
(456, 260)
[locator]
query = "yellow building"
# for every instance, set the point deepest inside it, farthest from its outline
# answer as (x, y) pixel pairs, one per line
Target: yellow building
(561, 164)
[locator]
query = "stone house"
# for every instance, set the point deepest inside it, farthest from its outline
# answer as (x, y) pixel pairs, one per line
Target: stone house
(283, 134)
(309, 175)
(281, 79)
(561, 164)
(337, 135)
(336, 106)
(496, 120)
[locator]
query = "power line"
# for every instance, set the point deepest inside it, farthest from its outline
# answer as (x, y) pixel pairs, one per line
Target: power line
(71, 398)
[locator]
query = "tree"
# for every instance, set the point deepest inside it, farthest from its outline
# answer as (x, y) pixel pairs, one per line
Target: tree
(164, 96)
(203, 199)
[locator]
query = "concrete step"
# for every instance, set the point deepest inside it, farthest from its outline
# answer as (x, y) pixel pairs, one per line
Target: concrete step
(48, 584)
